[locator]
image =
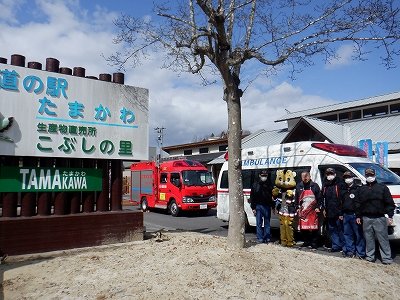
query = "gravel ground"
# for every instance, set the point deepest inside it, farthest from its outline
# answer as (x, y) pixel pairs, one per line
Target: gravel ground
(190, 265)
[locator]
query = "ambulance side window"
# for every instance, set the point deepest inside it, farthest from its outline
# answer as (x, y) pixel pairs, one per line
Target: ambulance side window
(338, 169)
(256, 176)
(224, 180)
(247, 179)
(163, 178)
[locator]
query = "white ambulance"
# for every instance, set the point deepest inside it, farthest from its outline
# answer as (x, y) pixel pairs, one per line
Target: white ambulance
(314, 157)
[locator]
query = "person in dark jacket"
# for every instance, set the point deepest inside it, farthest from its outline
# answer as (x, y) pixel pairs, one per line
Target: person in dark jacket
(308, 201)
(261, 203)
(332, 204)
(373, 203)
(354, 242)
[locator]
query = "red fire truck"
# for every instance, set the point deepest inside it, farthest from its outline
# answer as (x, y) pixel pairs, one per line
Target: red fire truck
(176, 185)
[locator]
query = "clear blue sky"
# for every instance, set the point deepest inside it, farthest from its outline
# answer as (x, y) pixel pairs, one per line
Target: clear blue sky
(77, 32)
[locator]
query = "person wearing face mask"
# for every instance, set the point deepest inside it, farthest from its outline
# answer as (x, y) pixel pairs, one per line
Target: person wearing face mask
(373, 203)
(261, 203)
(354, 242)
(332, 202)
(308, 201)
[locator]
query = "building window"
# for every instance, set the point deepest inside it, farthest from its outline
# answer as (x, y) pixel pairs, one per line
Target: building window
(395, 108)
(375, 111)
(187, 152)
(203, 150)
(344, 116)
(330, 118)
(223, 148)
(356, 114)
(350, 115)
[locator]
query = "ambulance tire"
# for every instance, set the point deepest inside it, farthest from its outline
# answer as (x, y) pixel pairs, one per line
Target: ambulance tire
(174, 208)
(144, 205)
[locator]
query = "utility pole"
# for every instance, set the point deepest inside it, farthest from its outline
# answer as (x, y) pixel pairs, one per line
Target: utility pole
(160, 138)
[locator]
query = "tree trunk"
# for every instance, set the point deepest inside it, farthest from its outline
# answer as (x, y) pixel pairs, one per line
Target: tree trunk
(236, 237)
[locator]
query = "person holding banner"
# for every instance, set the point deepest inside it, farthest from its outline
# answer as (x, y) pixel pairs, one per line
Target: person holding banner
(308, 201)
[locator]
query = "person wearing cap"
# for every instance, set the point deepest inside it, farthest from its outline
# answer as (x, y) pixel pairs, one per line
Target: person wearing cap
(308, 201)
(373, 203)
(354, 242)
(261, 203)
(332, 205)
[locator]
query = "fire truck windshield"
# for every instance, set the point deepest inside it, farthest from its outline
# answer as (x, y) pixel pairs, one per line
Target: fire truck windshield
(199, 178)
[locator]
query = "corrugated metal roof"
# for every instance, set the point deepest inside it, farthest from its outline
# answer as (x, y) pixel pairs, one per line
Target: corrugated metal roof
(340, 106)
(216, 141)
(258, 138)
(335, 132)
(265, 138)
(378, 129)
(217, 161)
(386, 128)
(204, 158)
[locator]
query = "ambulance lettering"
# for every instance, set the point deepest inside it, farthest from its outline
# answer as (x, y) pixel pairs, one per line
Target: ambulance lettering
(265, 161)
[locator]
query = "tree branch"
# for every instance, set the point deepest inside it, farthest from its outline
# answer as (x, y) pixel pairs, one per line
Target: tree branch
(250, 26)
(231, 18)
(307, 26)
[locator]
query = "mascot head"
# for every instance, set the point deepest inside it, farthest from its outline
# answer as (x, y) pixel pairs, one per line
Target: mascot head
(289, 182)
(285, 179)
(280, 178)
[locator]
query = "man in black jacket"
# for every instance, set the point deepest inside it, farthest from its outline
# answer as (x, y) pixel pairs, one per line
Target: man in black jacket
(354, 242)
(333, 208)
(373, 203)
(261, 203)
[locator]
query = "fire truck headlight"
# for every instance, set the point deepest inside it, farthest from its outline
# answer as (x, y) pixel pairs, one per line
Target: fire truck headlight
(212, 199)
(187, 200)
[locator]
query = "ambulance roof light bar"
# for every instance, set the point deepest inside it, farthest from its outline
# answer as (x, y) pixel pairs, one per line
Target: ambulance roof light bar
(342, 150)
(226, 156)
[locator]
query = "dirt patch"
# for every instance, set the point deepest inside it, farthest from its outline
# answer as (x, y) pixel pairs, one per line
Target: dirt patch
(196, 266)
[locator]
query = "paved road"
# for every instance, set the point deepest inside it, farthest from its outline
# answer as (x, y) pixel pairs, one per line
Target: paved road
(209, 224)
(159, 219)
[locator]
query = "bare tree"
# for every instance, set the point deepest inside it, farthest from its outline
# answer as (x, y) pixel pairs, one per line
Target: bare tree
(222, 35)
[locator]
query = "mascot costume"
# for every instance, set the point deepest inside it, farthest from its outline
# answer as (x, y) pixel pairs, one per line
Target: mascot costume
(283, 194)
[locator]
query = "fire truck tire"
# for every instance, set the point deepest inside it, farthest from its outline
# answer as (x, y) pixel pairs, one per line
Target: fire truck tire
(174, 208)
(144, 205)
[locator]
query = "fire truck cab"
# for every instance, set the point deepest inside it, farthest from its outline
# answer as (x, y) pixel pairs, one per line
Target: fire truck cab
(176, 185)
